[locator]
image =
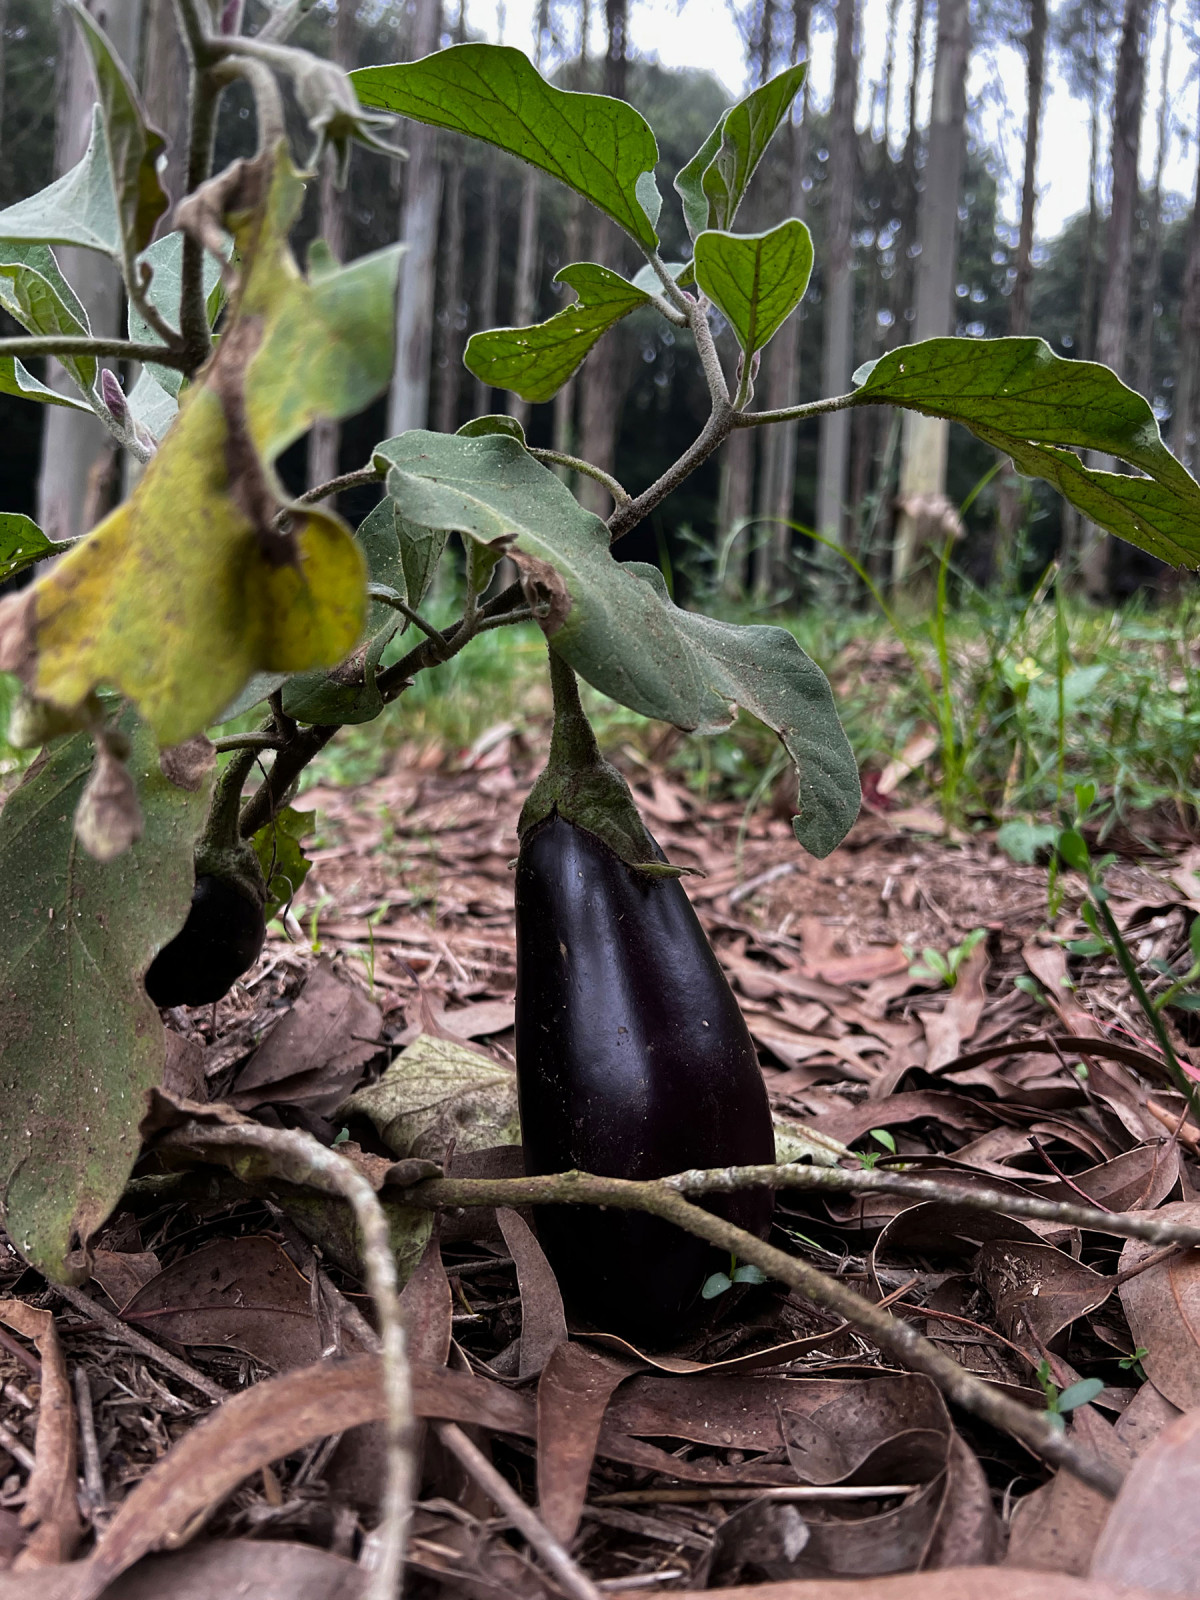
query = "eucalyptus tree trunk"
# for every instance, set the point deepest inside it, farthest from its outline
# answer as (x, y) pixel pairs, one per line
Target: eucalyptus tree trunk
(1113, 330)
(600, 386)
(525, 282)
(325, 436)
(925, 439)
(165, 92)
(78, 481)
(408, 405)
(1009, 497)
(1184, 426)
(489, 265)
(1148, 309)
(838, 356)
(449, 388)
(781, 379)
(733, 506)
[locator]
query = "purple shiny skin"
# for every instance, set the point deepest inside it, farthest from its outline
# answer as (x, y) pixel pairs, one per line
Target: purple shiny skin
(633, 1061)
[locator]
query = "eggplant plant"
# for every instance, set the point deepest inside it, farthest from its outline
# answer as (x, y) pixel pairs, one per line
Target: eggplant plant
(209, 592)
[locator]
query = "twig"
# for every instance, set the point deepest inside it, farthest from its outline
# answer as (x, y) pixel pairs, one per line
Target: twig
(22, 1456)
(576, 1583)
(16, 1348)
(248, 741)
(93, 1473)
(581, 1188)
(662, 1198)
(138, 1341)
(555, 458)
(723, 1491)
(250, 1148)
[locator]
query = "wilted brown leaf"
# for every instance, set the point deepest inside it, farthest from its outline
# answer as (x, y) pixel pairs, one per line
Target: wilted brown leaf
(51, 1511)
(573, 1394)
(1152, 1535)
(315, 1054)
(1162, 1306)
(543, 1321)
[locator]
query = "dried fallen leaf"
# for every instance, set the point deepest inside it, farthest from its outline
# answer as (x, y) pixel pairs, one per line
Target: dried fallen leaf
(437, 1091)
(573, 1393)
(543, 1321)
(1055, 1528)
(51, 1511)
(315, 1054)
(1162, 1306)
(955, 1583)
(1152, 1535)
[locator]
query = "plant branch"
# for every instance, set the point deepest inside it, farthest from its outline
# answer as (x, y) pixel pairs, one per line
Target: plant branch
(288, 16)
(706, 349)
(555, 459)
(248, 741)
(681, 302)
(347, 480)
(814, 408)
(896, 1338)
(53, 344)
(714, 433)
(250, 1149)
(296, 754)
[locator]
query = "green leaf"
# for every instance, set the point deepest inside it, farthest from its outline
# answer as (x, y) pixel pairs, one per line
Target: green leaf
(757, 280)
(1072, 847)
(80, 1041)
(281, 856)
(714, 182)
(764, 671)
(886, 1139)
(150, 404)
(175, 599)
(614, 623)
(16, 378)
(495, 422)
(34, 293)
(22, 543)
(165, 258)
(1038, 409)
(79, 208)
(535, 362)
(749, 1274)
(1079, 1394)
(349, 693)
(718, 1284)
(133, 145)
(1021, 839)
(599, 147)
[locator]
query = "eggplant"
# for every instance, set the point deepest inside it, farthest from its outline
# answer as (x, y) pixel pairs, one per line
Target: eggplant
(225, 928)
(222, 938)
(633, 1059)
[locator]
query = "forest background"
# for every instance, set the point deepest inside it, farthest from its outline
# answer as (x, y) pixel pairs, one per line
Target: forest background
(922, 200)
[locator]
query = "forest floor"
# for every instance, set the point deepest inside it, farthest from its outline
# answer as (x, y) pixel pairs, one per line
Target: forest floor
(780, 1444)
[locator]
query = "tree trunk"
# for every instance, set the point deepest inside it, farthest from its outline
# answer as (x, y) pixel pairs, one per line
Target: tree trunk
(925, 439)
(489, 266)
(450, 353)
(408, 405)
(1148, 311)
(79, 480)
(838, 356)
(600, 388)
(1113, 330)
(525, 278)
(1009, 496)
(1183, 420)
(733, 505)
(325, 436)
(564, 400)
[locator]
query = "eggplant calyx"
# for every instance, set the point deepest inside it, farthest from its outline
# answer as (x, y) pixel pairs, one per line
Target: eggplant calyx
(580, 786)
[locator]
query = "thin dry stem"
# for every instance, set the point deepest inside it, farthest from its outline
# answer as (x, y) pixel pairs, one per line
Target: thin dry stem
(570, 1579)
(138, 1341)
(299, 1158)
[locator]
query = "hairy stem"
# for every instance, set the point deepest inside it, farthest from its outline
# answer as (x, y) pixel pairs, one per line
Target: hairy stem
(53, 344)
(714, 433)
(555, 459)
(348, 480)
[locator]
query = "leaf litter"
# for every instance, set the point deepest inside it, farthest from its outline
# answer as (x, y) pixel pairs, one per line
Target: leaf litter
(777, 1448)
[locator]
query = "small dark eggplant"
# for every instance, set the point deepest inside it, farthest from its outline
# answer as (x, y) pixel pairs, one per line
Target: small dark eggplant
(633, 1059)
(222, 937)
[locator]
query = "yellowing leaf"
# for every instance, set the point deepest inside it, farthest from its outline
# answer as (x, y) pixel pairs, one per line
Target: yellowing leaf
(188, 589)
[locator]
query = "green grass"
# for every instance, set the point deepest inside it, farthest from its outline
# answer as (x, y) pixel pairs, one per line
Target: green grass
(1026, 698)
